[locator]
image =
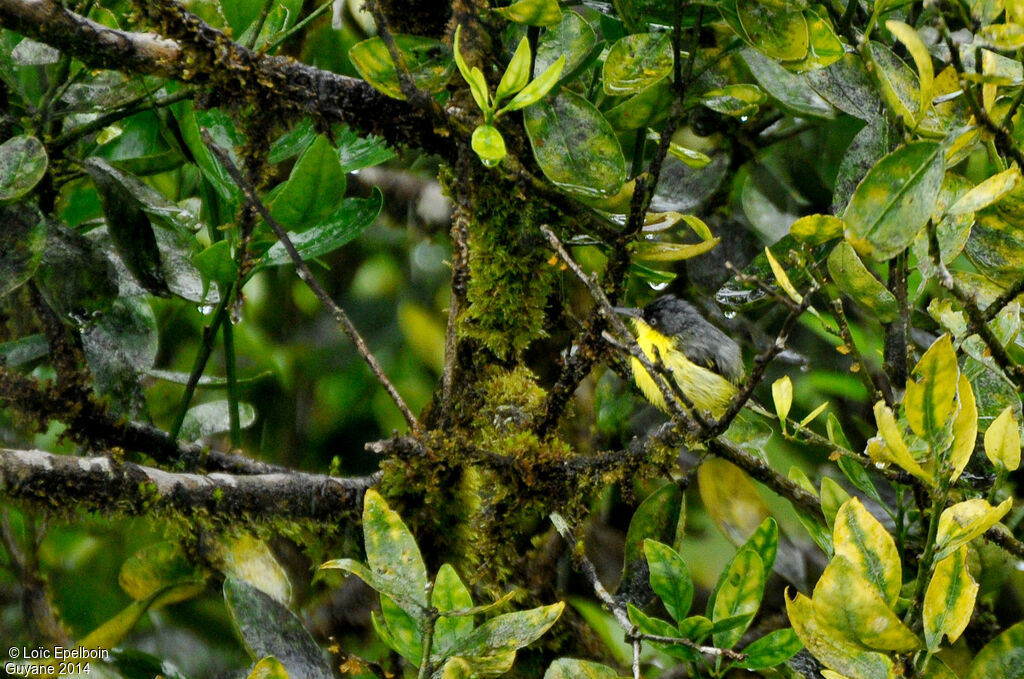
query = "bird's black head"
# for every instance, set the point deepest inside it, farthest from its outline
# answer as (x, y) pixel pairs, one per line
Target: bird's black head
(670, 315)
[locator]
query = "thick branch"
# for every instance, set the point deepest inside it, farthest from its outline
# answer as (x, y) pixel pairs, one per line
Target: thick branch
(287, 86)
(98, 484)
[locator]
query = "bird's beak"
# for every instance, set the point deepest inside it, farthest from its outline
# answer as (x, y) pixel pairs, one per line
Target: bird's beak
(627, 311)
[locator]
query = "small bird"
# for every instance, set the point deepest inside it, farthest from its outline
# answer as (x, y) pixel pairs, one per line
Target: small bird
(705, 362)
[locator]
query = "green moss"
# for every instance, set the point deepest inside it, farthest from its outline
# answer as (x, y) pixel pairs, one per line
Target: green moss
(510, 279)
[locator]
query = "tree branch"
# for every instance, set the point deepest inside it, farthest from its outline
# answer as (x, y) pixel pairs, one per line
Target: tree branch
(99, 484)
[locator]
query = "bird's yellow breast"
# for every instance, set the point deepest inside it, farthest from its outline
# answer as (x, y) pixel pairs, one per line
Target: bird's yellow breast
(707, 390)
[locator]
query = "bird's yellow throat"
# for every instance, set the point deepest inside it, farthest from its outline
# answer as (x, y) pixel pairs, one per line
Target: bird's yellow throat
(707, 390)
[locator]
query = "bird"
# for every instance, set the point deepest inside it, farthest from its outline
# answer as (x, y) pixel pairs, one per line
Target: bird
(706, 364)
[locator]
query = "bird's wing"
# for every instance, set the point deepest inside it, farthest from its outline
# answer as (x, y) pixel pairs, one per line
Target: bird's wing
(715, 351)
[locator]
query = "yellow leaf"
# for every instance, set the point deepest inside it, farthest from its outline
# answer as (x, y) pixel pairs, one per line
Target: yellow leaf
(931, 393)
(965, 428)
(816, 229)
(833, 496)
(269, 668)
(856, 607)
(949, 599)
(1002, 441)
(922, 59)
(782, 278)
(813, 414)
(782, 395)
(895, 449)
(987, 192)
(731, 499)
(965, 521)
(831, 646)
(863, 541)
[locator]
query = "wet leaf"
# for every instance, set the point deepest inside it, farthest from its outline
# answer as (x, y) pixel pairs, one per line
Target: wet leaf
(816, 229)
(392, 554)
(824, 47)
(572, 38)
(987, 192)
(269, 668)
(270, 629)
(488, 144)
(738, 593)
(636, 62)
(22, 239)
(314, 189)
(450, 594)
(996, 246)
(211, 418)
(640, 110)
(23, 163)
(429, 62)
(770, 650)
(120, 345)
(505, 634)
(846, 85)
(248, 558)
(789, 90)
(778, 30)
(348, 221)
(650, 251)
(570, 668)
(74, 276)
(895, 200)
(575, 146)
(734, 100)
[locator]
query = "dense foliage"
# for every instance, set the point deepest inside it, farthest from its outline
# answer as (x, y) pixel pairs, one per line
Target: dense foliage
(312, 360)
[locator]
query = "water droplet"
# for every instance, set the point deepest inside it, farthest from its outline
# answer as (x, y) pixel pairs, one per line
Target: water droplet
(206, 309)
(730, 314)
(658, 287)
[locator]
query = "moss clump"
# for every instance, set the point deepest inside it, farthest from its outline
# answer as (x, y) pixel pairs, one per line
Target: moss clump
(510, 279)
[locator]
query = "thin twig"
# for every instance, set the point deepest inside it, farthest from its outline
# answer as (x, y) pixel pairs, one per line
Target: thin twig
(304, 272)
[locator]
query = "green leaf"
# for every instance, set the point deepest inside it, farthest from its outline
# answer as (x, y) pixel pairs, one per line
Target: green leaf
(996, 246)
(314, 190)
(656, 251)
(659, 517)
(575, 146)
(570, 668)
(532, 12)
(824, 47)
(348, 221)
(269, 668)
(646, 108)
(119, 346)
(270, 629)
(1002, 441)
(658, 627)
(403, 635)
(1002, 657)
(901, 91)
(855, 606)
(489, 145)
(23, 163)
(20, 351)
(867, 546)
(770, 650)
(965, 521)
(450, 594)
(22, 240)
(738, 593)
(356, 153)
(573, 38)
(847, 85)
(670, 578)
(211, 418)
(850, 274)
(734, 100)
(537, 88)
(505, 634)
(813, 625)
(774, 28)
(949, 600)
(931, 392)
(517, 74)
(636, 62)
(833, 496)
(789, 90)
(474, 77)
(895, 200)
(428, 60)
(75, 277)
(216, 263)
(128, 224)
(865, 150)
(393, 556)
